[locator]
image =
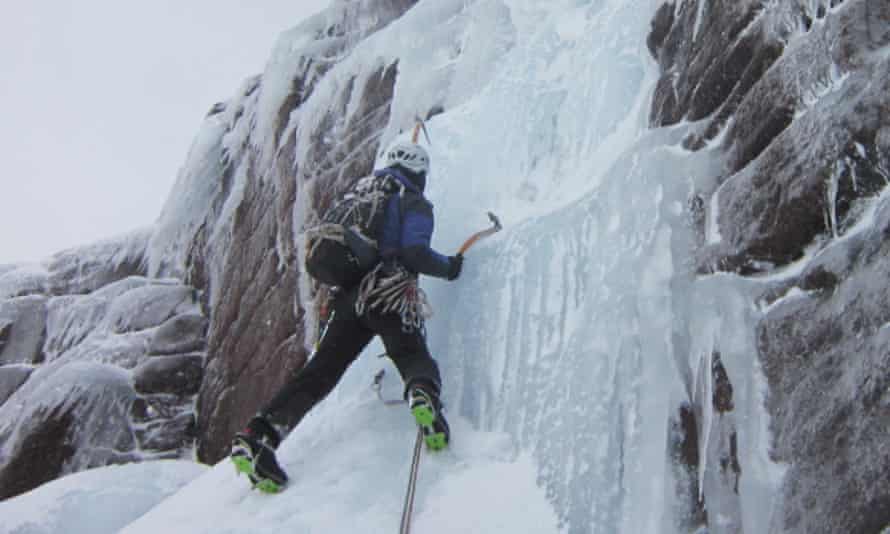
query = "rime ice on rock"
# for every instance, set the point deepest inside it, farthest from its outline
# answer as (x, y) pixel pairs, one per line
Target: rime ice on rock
(76, 364)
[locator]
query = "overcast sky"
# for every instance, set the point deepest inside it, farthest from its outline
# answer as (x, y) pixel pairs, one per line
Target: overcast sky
(99, 102)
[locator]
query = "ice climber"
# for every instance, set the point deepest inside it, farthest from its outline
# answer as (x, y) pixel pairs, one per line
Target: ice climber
(386, 301)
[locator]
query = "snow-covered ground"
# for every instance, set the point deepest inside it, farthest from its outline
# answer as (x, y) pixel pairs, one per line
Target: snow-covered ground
(96, 501)
(349, 465)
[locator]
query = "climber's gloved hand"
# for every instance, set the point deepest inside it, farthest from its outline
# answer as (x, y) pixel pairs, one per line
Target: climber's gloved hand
(455, 264)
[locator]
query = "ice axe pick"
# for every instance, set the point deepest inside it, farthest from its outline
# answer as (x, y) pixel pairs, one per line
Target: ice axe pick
(483, 234)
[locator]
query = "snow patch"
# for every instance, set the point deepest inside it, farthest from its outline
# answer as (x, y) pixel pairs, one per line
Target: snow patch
(329, 489)
(96, 501)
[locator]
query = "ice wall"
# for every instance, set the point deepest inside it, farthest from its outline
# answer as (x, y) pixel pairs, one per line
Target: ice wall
(563, 339)
(581, 330)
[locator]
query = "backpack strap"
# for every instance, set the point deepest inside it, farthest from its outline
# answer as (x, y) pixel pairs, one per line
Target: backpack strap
(401, 192)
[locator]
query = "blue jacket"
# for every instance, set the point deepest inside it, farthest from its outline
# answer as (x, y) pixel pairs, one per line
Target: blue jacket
(408, 228)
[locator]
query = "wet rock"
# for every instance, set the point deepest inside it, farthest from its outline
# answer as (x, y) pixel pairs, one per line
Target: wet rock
(65, 418)
(683, 447)
(256, 337)
(150, 408)
(46, 441)
(5, 333)
(22, 329)
(11, 378)
(175, 375)
(180, 334)
(722, 394)
(702, 60)
(168, 435)
(882, 143)
(661, 25)
(148, 307)
(819, 279)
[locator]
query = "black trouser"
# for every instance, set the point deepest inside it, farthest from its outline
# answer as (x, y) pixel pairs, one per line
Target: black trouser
(346, 336)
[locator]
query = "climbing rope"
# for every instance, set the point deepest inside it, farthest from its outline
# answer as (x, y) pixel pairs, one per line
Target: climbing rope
(333, 231)
(408, 508)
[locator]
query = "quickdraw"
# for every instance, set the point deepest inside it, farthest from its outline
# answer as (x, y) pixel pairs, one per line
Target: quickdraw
(392, 289)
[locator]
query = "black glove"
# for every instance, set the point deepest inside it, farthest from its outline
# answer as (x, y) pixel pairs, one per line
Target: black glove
(455, 264)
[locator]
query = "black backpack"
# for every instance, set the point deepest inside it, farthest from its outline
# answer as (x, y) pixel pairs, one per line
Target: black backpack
(343, 247)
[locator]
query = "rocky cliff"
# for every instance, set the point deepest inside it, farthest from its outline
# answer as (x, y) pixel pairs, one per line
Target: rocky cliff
(283, 146)
(796, 95)
(98, 363)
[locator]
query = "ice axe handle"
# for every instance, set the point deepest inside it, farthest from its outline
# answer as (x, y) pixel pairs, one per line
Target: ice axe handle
(481, 235)
(419, 126)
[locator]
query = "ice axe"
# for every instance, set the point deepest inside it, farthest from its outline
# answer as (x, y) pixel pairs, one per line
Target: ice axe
(483, 234)
(420, 125)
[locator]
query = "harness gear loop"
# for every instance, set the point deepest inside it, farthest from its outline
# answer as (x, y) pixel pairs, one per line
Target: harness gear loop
(390, 288)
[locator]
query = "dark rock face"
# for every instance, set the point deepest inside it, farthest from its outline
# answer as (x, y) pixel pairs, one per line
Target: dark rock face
(829, 376)
(46, 441)
(22, 329)
(174, 375)
(64, 419)
(11, 378)
(797, 97)
(254, 339)
(179, 334)
(683, 440)
(807, 95)
(256, 334)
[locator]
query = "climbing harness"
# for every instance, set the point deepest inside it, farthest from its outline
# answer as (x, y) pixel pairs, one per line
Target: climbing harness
(390, 288)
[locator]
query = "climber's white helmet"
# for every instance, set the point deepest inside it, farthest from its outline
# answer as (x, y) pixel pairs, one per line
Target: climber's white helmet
(409, 155)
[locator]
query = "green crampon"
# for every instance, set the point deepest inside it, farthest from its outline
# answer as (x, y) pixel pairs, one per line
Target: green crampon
(244, 465)
(435, 441)
(268, 486)
(425, 417)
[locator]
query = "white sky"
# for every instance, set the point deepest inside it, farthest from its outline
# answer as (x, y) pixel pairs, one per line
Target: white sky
(100, 100)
